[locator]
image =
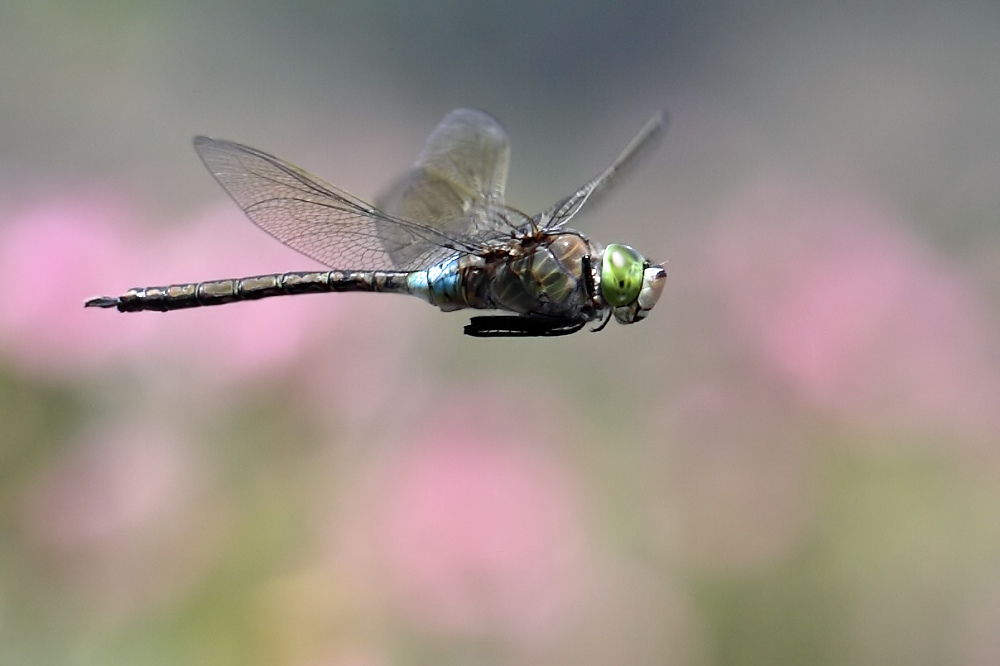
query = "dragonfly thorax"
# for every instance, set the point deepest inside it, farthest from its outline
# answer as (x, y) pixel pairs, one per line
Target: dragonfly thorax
(551, 275)
(557, 275)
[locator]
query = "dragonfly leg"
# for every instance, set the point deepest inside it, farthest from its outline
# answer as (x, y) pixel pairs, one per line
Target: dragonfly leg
(536, 326)
(604, 323)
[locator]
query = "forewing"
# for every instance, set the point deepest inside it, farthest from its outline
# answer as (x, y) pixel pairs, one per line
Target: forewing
(317, 219)
(647, 138)
(457, 184)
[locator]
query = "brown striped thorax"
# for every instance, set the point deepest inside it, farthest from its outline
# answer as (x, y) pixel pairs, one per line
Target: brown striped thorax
(551, 275)
(443, 233)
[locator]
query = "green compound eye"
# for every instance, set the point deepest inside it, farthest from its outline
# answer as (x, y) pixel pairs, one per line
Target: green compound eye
(621, 275)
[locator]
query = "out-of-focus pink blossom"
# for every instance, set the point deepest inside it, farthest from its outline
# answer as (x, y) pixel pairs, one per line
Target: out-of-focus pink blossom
(239, 339)
(54, 255)
(108, 489)
(835, 297)
(980, 641)
(636, 616)
(353, 659)
(347, 657)
(475, 530)
(119, 516)
(57, 253)
(738, 490)
(362, 366)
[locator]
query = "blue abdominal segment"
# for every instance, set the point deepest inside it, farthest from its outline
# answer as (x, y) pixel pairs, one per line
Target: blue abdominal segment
(439, 285)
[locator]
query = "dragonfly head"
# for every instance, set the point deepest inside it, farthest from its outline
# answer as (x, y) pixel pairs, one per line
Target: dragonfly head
(629, 283)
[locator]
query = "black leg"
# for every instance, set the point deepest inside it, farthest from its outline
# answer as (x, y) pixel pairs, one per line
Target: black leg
(521, 327)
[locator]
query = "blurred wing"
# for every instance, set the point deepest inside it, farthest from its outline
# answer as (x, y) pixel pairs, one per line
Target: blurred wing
(458, 182)
(319, 220)
(469, 148)
(647, 138)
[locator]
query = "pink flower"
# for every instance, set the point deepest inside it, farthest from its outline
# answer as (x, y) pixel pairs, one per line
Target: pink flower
(738, 492)
(237, 340)
(838, 300)
(56, 254)
(980, 641)
(106, 489)
(365, 365)
(475, 530)
(53, 255)
(120, 515)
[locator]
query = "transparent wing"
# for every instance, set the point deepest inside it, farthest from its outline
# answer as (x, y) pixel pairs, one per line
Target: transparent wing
(319, 220)
(469, 148)
(562, 212)
(457, 184)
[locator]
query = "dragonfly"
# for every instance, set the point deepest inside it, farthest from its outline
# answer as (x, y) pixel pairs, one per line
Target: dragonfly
(442, 233)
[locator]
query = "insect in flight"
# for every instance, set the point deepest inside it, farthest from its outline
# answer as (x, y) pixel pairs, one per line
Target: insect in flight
(443, 233)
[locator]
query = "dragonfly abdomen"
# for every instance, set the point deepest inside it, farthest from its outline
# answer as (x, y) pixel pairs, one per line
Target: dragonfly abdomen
(219, 292)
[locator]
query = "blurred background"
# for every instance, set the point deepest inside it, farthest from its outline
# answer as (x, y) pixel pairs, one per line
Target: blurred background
(793, 461)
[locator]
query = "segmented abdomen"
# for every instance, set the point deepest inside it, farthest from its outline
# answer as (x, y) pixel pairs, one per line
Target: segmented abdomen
(219, 292)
